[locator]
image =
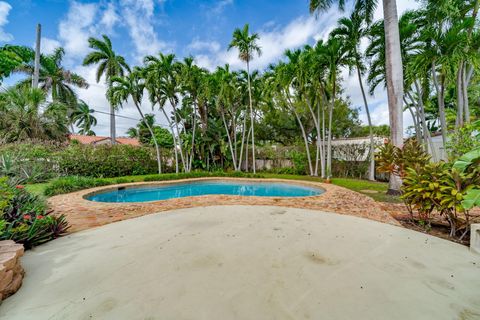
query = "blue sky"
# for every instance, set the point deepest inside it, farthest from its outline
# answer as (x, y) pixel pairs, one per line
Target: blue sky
(189, 27)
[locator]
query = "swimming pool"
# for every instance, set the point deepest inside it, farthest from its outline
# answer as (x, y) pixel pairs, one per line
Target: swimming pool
(200, 188)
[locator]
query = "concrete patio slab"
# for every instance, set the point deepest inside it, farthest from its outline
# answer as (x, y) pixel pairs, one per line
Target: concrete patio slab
(247, 262)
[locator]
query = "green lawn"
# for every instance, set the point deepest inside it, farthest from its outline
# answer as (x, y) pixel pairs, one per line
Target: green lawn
(375, 190)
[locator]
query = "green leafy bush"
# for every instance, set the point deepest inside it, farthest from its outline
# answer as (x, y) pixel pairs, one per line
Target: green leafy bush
(74, 183)
(105, 161)
(24, 218)
(450, 190)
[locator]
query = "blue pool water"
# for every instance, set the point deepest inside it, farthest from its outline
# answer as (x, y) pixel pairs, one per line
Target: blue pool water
(188, 189)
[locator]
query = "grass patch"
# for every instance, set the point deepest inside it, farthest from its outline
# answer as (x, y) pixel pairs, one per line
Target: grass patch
(375, 190)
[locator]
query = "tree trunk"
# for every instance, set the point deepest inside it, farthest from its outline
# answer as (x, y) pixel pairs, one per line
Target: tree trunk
(394, 79)
(466, 105)
(305, 139)
(317, 127)
(113, 136)
(440, 88)
(234, 160)
(36, 68)
(179, 138)
(371, 171)
(322, 161)
(174, 140)
(239, 166)
(460, 104)
(193, 134)
(157, 148)
(252, 119)
(330, 119)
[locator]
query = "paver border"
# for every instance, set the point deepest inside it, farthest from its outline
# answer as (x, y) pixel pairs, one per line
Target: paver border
(85, 214)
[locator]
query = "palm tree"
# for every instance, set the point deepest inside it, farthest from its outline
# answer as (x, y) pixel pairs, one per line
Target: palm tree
(109, 65)
(83, 118)
(122, 88)
(334, 55)
(54, 78)
(247, 46)
(191, 83)
(25, 114)
(394, 68)
(162, 83)
(351, 31)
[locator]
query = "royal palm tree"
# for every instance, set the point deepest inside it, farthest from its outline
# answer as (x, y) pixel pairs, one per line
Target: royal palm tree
(83, 118)
(351, 31)
(334, 55)
(109, 65)
(162, 82)
(394, 68)
(247, 45)
(132, 86)
(191, 84)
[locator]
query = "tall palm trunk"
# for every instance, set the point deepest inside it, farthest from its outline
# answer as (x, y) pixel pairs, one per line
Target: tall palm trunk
(304, 134)
(251, 117)
(329, 141)
(440, 88)
(113, 136)
(460, 103)
(157, 148)
(317, 127)
(371, 171)
(175, 151)
(394, 68)
(179, 138)
(230, 146)
(323, 174)
(193, 134)
(239, 166)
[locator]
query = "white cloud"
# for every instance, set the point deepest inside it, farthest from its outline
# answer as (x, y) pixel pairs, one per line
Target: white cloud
(110, 17)
(94, 96)
(77, 27)
(197, 45)
(220, 6)
(139, 18)
(48, 45)
(4, 11)
(274, 40)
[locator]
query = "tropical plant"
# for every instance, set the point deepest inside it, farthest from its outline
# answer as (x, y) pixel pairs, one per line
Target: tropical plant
(121, 88)
(109, 65)
(82, 116)
(248, 47)
(25, 114)
(393, 67)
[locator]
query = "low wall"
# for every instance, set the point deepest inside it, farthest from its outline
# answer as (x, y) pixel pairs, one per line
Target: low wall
(11, 272)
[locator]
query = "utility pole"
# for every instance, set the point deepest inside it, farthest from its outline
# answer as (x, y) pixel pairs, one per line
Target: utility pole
(36, 71)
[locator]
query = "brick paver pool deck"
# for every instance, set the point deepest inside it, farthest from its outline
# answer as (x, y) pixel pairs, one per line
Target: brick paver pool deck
(84, 214)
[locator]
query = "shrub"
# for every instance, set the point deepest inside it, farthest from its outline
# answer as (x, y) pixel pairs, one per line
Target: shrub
(105, 161)
(24, 219)
(74, 183)
(393, 160)
(28, 162)
(450, 190)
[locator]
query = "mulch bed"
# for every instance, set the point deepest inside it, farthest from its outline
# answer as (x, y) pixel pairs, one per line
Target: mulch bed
(438, 226)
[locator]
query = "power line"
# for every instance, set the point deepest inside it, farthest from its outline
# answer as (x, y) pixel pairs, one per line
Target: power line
(125, 117)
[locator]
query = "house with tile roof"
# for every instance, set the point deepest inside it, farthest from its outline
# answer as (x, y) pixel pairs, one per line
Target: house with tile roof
(98, 140)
